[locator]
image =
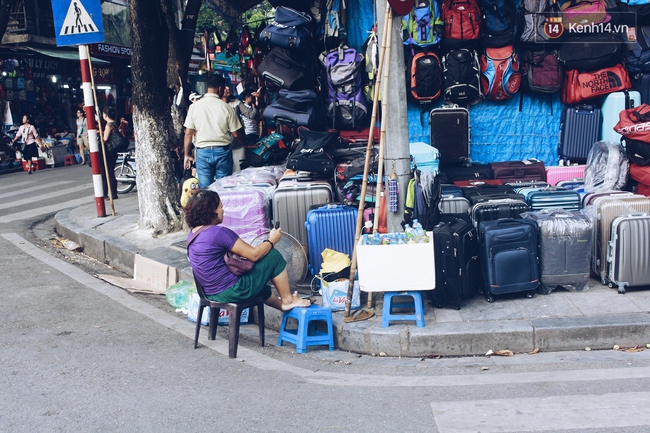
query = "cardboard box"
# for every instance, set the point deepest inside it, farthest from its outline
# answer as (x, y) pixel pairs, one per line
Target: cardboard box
(155, 276)
(396, 268)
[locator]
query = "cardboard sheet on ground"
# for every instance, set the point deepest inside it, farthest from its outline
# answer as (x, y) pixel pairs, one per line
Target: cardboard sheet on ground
(149, 276)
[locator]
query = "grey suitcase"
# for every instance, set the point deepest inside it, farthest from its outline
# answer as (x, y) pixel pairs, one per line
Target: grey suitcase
(292, 201)
(605, 210)
(628, 253)
(565, 249)
(454, 205)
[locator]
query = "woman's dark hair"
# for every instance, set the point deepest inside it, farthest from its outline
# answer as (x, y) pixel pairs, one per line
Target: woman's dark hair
(29, 117)
(201, 207)
(81, 110)
(111, 112)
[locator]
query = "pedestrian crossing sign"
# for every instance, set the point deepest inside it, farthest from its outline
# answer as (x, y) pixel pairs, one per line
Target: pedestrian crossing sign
(77, 22)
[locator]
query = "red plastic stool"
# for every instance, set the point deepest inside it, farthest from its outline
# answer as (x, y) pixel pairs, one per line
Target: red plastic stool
(69, 160)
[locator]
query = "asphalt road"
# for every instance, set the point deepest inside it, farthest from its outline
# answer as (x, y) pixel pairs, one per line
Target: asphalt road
(79, 354)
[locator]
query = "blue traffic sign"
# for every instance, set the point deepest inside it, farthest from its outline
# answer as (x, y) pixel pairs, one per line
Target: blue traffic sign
(77, 22)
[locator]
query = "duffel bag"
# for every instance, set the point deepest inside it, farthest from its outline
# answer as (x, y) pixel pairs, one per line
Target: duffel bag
(584, 13)
(634, 123)
(640, 174)
(281, 69)
(580, 86)
(588, 52)
(288, 30)
(313, 151)
(512, 171)
(638, 152)
(296, 108)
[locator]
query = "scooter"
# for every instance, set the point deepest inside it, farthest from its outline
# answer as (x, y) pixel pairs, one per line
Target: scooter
(125, 169)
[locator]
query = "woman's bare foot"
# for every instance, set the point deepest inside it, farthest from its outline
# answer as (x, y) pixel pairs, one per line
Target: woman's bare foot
(299, 302)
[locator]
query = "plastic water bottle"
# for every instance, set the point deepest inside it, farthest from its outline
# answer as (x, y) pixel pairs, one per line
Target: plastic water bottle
(364, 240)
(410, 234)
(419, 232)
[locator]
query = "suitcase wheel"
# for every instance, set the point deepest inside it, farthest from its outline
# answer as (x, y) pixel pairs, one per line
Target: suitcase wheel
(530, 294)
(621, 290)
(489, 298)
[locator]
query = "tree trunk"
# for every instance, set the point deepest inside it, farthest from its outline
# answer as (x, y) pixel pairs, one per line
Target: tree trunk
(158, 193)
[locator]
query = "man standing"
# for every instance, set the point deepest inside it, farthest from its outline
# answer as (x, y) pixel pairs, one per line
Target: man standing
(213, 125)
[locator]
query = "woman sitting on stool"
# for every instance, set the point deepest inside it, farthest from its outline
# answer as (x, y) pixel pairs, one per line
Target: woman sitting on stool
(204, 213)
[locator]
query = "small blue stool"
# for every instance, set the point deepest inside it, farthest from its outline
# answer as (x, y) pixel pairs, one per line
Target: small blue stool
(417, 303)
(306, 333)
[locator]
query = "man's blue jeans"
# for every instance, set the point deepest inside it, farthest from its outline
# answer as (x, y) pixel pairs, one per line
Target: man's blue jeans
(213, 161)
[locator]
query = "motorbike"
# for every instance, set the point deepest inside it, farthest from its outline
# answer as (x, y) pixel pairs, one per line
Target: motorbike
(125, 171)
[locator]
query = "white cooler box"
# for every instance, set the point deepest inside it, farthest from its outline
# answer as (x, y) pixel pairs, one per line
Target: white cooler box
(396, 268)
(54, 156)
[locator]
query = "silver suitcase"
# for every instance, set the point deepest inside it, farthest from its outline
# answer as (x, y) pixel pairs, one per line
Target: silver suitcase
(291, 202)
(605, 210)
(628, 253)
(451, 204)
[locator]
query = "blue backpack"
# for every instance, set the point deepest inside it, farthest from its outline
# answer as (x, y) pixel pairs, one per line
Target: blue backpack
(422, 26)
(637, 57)
(498, 22)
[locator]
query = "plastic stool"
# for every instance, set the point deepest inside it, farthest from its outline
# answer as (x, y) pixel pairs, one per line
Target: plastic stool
(69, 160)
(417, 303)
(306, 333)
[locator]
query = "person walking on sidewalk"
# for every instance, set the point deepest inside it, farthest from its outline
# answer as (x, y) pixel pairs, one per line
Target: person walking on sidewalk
(82, 135)
(110, 115)
(29, 135)
(213, 125)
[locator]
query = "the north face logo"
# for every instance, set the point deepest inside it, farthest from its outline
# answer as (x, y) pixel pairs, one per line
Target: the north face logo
(603, 81)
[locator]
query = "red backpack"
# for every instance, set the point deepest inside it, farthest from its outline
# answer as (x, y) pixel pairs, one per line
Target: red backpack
(500, 76)
(462, 19)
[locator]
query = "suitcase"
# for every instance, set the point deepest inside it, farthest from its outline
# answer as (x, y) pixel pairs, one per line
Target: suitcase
(282, 68)
(564, 172)
(451, 190)
(588, 198)
(549, 198)
(490, 210)
(333, 227)
(628, 257)
(513, 171)
(573, 184)
(611, 108)
(292, 201)
(564, 249)
(424, 157)
(579, 130)
(450, 134)
(605, 210)
(246, 211)
(509, 255)
(296, 108)
(453, 205)
(454, 173)
(477, 183)
(360, 137)
(458, 268)
(527, 184)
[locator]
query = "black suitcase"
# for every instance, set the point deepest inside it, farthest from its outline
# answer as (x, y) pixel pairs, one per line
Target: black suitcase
(490, 210)
(458, 268)
(450, 134)
(454, 173)
(282, 69)
(579, 130)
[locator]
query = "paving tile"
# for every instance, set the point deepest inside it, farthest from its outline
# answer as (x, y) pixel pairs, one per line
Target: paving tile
(555, 304)
(478, 309)
(443, 315)
(639, 297)
(601, 300)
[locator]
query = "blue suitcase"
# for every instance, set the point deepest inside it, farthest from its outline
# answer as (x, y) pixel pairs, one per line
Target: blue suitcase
(611, 109)
(547, 198)
(510, 257)
(333, 227)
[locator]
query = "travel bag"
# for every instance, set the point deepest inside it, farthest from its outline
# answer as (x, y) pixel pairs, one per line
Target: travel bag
(564, 249)
(497, 208)
(458, 267)
(450, 204)
(288, 30)
(450, 134)
(573, 184)
(332, 226)
(628, 258)
(296, 108)
(513, 171)
(246, 210)
(591, 51)
(579, 130)
(285, 69)
(509, 255)
(474, 172)
(552, 198)
(461, 77)
(638, 152)
(313, 151)
(292, 201)
(564, 172)
(477, 183)
(582, 86)
(424, 157)
(611, 110)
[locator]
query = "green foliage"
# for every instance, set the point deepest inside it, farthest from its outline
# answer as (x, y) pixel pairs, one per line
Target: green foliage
(209, 20)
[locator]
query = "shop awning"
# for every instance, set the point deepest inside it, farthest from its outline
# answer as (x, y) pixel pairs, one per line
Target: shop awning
(66, 55)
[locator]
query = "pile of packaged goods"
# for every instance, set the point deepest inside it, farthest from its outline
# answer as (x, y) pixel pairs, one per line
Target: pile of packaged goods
(411, 235)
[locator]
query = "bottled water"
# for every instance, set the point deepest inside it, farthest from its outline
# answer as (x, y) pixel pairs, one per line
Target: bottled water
(364, 240)
(410, 234)
(420, 234)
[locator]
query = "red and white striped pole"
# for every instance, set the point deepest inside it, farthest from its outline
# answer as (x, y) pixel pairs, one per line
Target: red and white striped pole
(89, 108)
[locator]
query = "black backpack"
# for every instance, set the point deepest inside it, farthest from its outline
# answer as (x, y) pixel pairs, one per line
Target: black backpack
(498, 22)
(314, 151)
(424, 77)
(461, 77)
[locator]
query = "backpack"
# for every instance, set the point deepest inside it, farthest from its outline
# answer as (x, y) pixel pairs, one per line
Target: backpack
(346, 105)
(371, 58)
(462, 22)
(543, 72)
(637, 56)
(424, 77)
(460, 77)
(422, 26)
(331, 32)
(531, 19)
(498, 22)
(500, 76)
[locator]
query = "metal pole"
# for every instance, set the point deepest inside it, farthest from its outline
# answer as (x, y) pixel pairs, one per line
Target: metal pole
(89, 108)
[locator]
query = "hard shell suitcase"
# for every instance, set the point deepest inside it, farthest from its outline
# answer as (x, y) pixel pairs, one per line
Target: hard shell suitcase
(509, 255)
(477, 183)
(612, 107)
(451, 190)
(527, 184)
(564, 249)
(573, 184)
(548, 198)
(426, 158)
(450, 204)
(564, 172)
(579, 130)
(605, 210)
(450, 133)
(498, 209)
(246, 211)
(454, 173)
(292, 201)
(628, 252)
(456, 256)
(513, 171)
(589, 198)
(333, 227)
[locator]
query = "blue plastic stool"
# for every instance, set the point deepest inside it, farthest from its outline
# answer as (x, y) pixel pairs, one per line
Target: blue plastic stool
(306, 333)
(417, 303)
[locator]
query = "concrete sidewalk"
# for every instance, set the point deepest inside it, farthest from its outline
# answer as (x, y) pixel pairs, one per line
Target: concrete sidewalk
(598, 318)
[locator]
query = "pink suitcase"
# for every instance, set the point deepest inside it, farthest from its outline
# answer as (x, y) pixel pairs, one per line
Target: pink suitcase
(567, 172)
(245, 211)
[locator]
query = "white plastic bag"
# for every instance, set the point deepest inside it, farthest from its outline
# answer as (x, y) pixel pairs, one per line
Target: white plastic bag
(607, 167)
(335, 294)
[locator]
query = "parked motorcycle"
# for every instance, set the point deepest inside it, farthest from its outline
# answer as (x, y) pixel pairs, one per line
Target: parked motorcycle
(125, 169)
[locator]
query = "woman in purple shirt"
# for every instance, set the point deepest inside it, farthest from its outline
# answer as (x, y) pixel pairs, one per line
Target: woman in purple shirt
(204, 213)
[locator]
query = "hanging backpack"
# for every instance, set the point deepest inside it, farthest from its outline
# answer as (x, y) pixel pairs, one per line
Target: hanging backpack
(346, 106)
(422, 26)
(288, 30)
(462, 22)
(500, 76)
(543, 72)
(461, 77)
(371, 58)
(498, 22)
(531, 19)
(332, 31)
(424, 77)
(637, 57)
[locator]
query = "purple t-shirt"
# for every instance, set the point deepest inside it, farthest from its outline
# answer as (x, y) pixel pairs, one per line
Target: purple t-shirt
(206, 256)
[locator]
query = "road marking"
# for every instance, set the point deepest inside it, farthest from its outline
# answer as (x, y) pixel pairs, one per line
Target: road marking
(19, 189)
(262, 362)
(43, 210)
(33, 199)
(556, 413)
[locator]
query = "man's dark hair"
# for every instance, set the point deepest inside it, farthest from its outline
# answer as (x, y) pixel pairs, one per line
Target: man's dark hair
(215, 81)
(246, 93)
